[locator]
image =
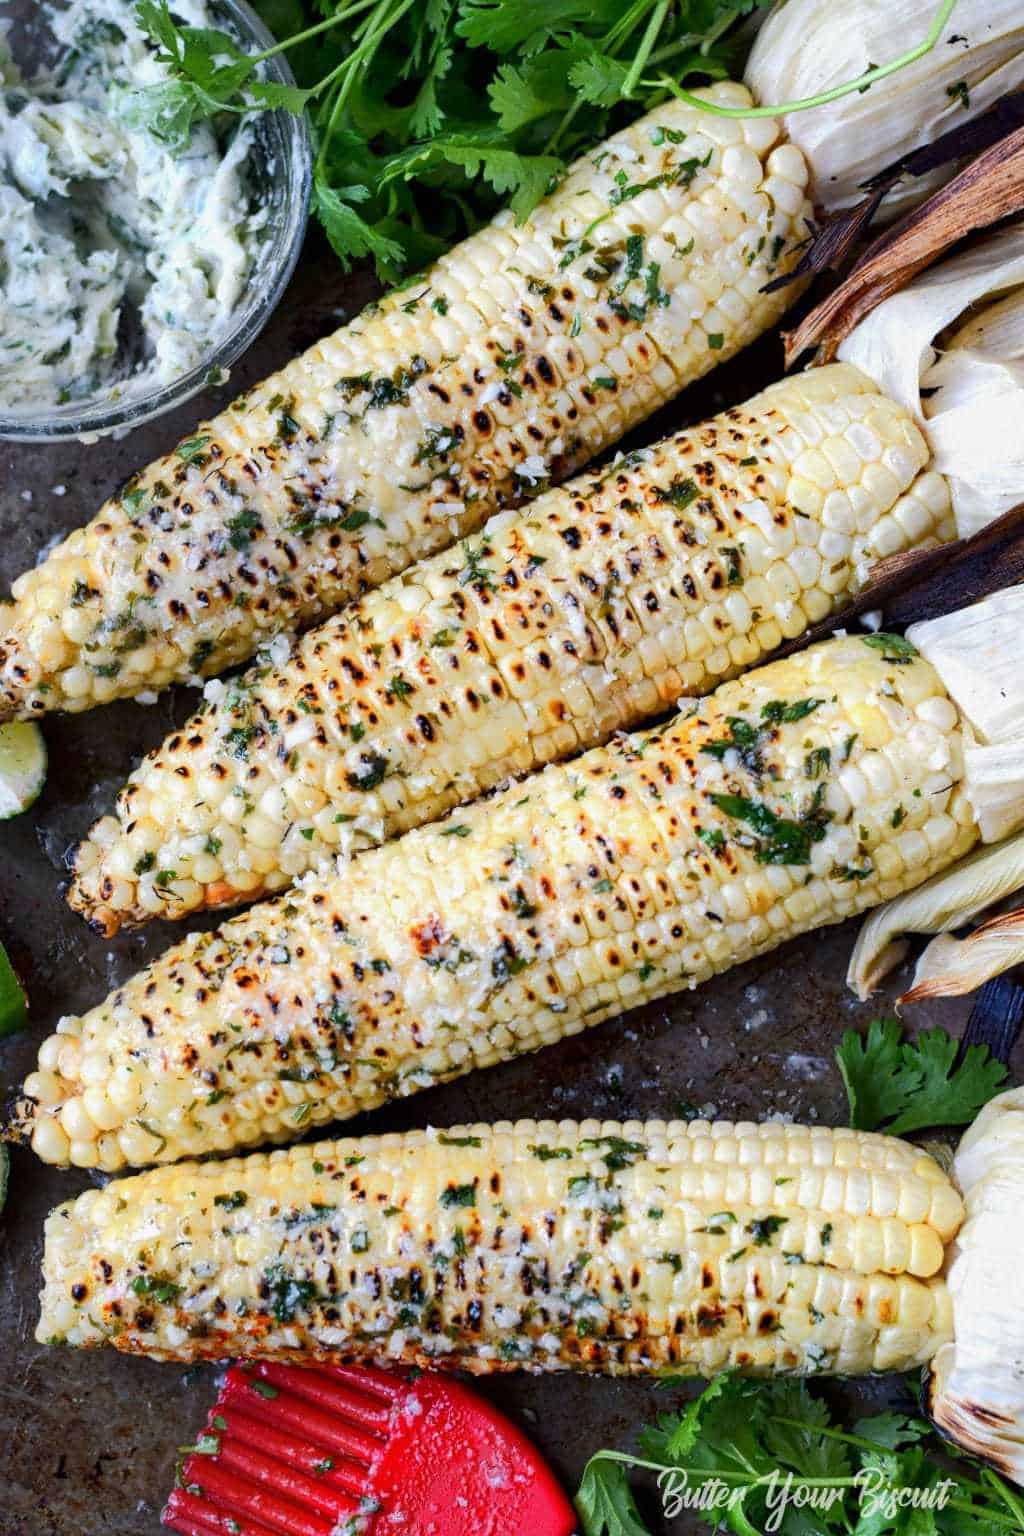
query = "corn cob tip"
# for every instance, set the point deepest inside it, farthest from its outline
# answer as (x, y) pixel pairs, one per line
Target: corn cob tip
(974, 1390)
(624, 1248)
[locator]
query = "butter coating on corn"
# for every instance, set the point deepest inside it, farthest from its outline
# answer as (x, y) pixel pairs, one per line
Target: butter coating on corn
(601, 1247)
(523, 352)
(797, 796)
(599, 605)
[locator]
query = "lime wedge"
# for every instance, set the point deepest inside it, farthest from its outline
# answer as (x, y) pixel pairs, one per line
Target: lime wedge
(13, 1002)
(22, 767)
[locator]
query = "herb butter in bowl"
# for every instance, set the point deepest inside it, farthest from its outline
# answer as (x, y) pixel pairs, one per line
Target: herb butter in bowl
(143, 244)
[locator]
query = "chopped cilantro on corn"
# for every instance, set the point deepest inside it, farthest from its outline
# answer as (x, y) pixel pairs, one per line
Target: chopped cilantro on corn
(599, 605)
(803, 793)
(522, 353)
(603, 1247)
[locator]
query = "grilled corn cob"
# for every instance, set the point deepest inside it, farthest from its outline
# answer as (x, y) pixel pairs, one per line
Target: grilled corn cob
(796, 796)
(523, 352)
(620, 1248)
(602, 605)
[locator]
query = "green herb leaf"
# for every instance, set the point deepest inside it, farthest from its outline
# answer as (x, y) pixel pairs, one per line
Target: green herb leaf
(352, 237)
(605, 1502)
(894, 646)
(908, 1086)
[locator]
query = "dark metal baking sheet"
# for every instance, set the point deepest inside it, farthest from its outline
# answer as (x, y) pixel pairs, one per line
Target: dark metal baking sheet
(88, 1441)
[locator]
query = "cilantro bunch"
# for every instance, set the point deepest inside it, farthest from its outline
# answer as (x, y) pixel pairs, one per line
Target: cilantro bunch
(755, 1441)
(430, 114)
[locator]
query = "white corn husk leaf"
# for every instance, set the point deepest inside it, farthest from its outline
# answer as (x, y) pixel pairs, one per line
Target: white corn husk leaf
(951, 967)
(976, 1385)
(977, 654)
(947, 901)
(968, 397)
(808, 46)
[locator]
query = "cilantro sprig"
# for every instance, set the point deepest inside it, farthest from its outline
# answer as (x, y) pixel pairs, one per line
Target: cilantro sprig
(428, 116)
(751, 1440)
(900, 1086)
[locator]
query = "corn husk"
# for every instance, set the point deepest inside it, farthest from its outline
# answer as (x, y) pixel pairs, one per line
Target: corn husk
(950, 900)
(976, 1385)
(977, 654)
(966, 388)
(807, 46)
(951, 967)
(975, 413)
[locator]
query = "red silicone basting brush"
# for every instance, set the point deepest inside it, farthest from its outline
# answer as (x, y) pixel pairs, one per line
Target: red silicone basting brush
(342, 1451)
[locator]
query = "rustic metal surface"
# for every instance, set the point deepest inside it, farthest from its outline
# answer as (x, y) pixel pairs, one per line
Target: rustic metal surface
(89, 1440)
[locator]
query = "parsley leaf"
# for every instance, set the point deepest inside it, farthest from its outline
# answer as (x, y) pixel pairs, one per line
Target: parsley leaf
(905, 1086)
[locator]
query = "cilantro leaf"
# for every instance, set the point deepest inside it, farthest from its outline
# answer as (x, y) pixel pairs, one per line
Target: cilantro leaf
(893, 645)
(605, 1502)
(525, 93)
(792, 1420)
(945, 1096)
(349, 233)
(784, 1465)
(598, 78)
(274, 93)
(154, 17)
(891, 1431)
(167, 111)
(427, 114)
(684, 1437)
(525, 177)
(908, 1086)
(505, 25)
(870, 1068)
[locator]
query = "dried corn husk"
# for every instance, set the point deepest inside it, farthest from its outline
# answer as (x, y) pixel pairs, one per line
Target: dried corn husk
(950, 967)
(976, 1385)
(949, 901)
(807, 46)
(967, 389)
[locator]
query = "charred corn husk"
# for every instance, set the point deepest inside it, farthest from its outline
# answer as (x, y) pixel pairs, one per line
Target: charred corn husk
(803, 793)
(808, 46)
(619, 1248)
(975, 1392)
(599, 606)
(522, 353)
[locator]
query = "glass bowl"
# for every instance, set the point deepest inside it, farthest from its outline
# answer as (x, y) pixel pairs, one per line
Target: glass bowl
(281, 172)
